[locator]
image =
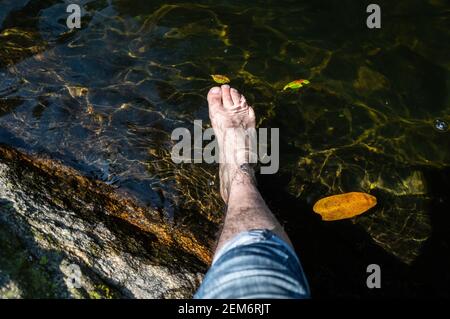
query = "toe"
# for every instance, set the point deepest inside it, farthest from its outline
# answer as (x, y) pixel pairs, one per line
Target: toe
(214, 99)
(243, 102)
(226, 97)
(251, 121)
(235, 96)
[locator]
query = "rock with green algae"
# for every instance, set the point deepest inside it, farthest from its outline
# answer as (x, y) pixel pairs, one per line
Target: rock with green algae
(8, 288)
(115, 257)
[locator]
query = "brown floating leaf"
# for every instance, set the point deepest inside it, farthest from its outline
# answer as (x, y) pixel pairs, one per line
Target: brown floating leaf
(221, 79)
(343, 206)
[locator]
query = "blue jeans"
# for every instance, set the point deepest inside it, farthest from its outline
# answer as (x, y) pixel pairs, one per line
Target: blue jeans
(255, 264)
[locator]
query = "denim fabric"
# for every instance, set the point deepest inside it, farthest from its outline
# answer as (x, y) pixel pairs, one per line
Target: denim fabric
(255, 265)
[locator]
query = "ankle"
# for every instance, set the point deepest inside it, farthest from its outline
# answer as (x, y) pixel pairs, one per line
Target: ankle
(233, 176)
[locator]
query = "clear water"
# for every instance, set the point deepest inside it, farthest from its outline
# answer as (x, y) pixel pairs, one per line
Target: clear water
(105, 98)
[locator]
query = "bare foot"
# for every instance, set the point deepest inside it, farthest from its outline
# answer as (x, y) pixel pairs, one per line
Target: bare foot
(231, 117)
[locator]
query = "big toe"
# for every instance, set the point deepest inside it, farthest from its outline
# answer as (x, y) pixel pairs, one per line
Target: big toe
(214, 99)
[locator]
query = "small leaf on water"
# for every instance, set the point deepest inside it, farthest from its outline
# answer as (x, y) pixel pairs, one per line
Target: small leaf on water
(295, 85)
(344, 206)
(221, 79)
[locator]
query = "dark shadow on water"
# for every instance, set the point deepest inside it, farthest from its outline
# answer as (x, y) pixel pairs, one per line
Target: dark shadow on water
(433, 265)
(335, 255)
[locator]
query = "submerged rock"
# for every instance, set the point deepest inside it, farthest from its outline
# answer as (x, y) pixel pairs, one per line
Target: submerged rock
(400, 223)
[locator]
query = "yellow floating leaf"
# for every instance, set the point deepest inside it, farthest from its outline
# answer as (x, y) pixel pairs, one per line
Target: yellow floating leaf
(295, 85)
(343, 206)
(221, 79)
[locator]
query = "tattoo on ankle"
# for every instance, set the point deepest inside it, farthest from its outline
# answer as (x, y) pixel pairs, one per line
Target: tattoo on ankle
(244, 175)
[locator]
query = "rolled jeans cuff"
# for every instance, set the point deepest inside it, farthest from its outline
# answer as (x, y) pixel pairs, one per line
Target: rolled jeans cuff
(255, 264)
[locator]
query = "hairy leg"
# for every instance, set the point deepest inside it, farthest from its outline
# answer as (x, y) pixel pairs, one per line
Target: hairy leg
(246, 208)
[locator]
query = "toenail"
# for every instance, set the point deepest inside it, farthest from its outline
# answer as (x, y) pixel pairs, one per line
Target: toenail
(226, 86)
(215, 90)
(234, 90)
